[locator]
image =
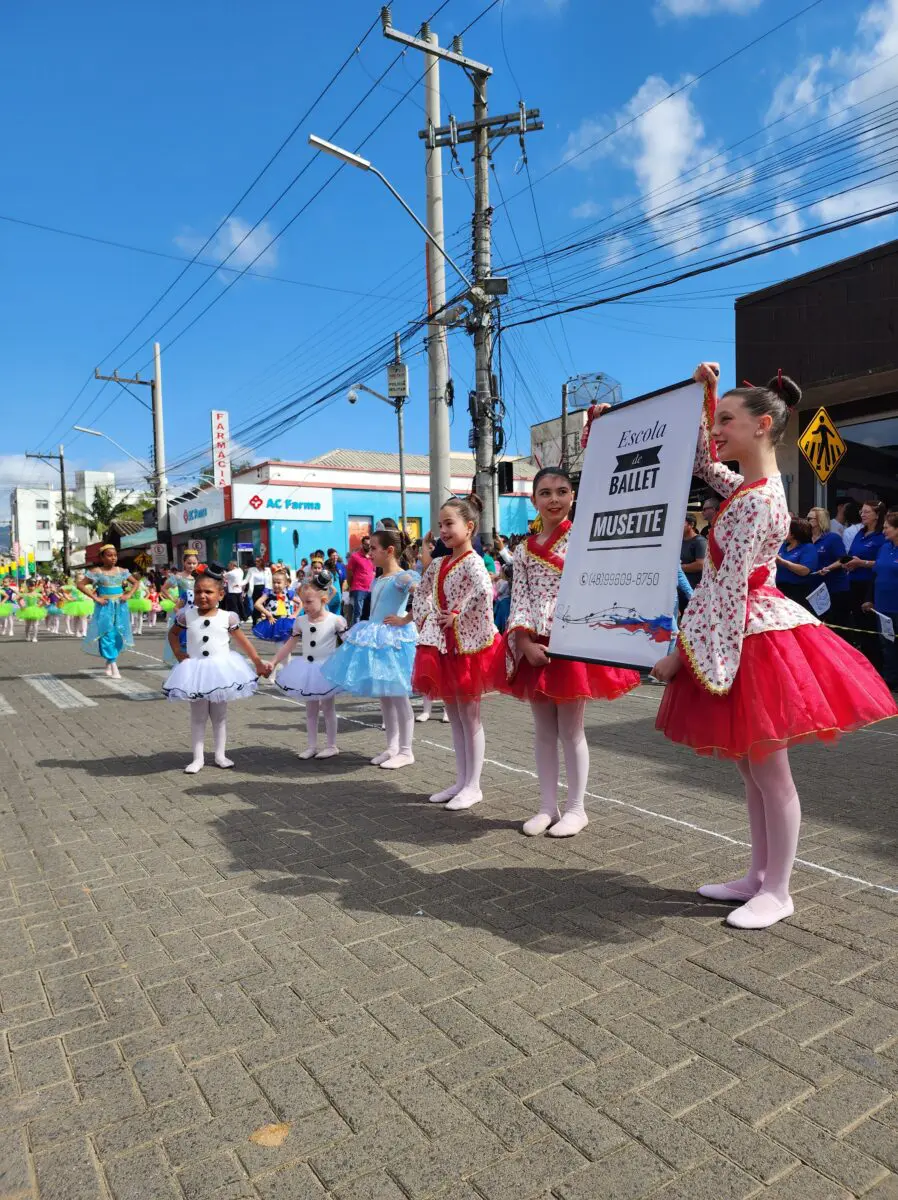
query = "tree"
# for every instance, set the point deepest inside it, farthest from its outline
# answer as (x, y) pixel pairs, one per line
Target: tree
(103, 510)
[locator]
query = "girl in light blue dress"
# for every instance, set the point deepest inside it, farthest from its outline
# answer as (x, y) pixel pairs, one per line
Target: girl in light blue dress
(179, 589)
(377, 655)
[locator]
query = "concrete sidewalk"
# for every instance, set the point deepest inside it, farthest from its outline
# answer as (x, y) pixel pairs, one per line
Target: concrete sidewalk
(424, 1004)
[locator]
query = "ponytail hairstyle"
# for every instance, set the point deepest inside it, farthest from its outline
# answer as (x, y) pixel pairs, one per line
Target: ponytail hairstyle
(396, 540)
(776, 400)
(468, 507)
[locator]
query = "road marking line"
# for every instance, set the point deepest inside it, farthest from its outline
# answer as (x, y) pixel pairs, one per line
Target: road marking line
(646, 812)
(123, 686)
(58, 692)
(6, 709)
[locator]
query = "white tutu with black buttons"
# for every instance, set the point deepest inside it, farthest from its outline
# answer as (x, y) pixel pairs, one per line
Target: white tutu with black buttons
(212, 671)
(227, 676)
(298, 677)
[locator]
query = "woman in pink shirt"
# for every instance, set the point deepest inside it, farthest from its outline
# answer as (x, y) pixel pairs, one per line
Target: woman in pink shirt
(359, 576)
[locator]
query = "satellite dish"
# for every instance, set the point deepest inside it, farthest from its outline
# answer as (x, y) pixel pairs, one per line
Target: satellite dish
(593, 388)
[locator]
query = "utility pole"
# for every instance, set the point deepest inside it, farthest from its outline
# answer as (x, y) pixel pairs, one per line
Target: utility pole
(160, 483)
(58, 460)
(437, 344)
(486, 287)
(564, 457)
(399, 403)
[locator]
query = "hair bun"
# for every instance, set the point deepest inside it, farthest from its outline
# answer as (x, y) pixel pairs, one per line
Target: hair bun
(214, 571)
(321, 580)
(786, 388)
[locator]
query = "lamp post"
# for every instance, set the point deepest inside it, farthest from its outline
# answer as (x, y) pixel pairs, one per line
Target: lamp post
(397, 405)
(363, 164)
(97, 433)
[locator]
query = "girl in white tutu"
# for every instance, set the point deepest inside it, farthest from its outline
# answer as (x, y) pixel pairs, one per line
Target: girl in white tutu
(317, 631)
(209, 674)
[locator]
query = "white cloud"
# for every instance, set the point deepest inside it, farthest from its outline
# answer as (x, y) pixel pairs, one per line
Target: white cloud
(858, 200)
(706, 8)
(664, 143)
(587, 211)
(236, 240)
(797, 90)
(616, 250)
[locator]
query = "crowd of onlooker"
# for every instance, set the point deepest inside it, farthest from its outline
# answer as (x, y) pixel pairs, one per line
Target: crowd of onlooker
(841, 565)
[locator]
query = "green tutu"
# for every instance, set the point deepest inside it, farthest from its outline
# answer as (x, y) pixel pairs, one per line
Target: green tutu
(138, 604)
(6, 609)
(78, 608)
(32, 612)
(167, 605)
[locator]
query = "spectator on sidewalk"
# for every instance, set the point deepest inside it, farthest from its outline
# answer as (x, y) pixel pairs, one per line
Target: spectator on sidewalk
(359, 577)
(797, 563)
(693, 551)
(709, 511)
(884, 596)
(257, 579)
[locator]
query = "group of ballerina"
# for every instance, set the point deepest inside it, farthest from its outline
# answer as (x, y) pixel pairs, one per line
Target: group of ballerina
(751, 672)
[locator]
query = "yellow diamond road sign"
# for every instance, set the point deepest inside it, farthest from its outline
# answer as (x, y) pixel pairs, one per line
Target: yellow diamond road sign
(822, 446)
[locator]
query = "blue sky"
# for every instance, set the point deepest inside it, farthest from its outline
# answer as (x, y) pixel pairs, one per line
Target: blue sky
(145, 128)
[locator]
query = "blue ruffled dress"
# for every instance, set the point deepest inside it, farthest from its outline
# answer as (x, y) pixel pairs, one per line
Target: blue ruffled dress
(376, 659)
(109, 631)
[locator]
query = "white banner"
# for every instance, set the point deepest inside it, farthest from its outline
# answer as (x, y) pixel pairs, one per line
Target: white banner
(221, 450)
(618, 591)
(267, 503)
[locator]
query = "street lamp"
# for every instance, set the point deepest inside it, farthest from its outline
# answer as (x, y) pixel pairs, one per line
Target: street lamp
(363, 164)
(97, 433)
(396, 404)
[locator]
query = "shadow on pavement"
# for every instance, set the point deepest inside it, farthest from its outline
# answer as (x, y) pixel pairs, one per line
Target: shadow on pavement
(327, 841)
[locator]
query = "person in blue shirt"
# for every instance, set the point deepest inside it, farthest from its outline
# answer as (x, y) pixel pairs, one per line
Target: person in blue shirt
(797, 562)
(830, 548)
(885, 595)
(865, 546)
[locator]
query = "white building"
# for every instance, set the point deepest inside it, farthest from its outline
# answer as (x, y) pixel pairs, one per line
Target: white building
(545, 441)
(34, 512)
(33, 516)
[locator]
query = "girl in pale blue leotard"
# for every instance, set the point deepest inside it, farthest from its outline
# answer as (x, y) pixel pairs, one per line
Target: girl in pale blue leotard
(377, 655)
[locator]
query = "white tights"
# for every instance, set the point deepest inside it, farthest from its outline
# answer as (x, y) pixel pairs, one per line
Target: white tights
(31, 631)
(216, 712)
(470, 745)
(8, 628)
(313, 708)
(399, 722)
(553, 723)
(774, 820)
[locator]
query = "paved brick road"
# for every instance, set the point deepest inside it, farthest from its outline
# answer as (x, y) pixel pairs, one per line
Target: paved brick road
(438, 1006)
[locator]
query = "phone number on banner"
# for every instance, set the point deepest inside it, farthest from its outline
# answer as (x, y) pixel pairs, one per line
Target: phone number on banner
(620, 579)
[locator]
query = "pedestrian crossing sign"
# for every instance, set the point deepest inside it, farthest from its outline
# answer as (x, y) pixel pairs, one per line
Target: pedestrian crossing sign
(822, 446)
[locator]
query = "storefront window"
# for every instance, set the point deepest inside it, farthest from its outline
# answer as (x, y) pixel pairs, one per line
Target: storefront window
(869, 470)
(357, 528)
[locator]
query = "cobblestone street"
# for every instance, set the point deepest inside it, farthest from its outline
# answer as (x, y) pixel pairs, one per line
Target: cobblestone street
(424, 1004)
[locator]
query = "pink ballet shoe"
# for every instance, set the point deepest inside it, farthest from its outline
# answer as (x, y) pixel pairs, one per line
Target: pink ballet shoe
(726, 893)
(761, 912)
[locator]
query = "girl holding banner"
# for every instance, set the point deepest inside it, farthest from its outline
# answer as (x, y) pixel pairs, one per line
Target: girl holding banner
(557, 689)
(754, 673)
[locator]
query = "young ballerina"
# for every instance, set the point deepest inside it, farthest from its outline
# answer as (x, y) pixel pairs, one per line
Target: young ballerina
(109, 631)
(139, 605)
(53, 597)
(179, 590)
(77, 610)
(556, 689)
(277, 607)
(32, 610)
(458, 644)
(753, 673)
(209, 674)
(377, 655)
(316, 630)
(9, 603)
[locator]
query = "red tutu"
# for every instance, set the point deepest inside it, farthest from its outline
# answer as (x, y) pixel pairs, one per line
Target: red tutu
(456, 677)
(793, 685)
(564, 681)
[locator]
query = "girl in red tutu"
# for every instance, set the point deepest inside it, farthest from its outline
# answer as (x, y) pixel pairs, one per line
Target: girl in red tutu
(557, 689)
(458, 644)
(754, 673)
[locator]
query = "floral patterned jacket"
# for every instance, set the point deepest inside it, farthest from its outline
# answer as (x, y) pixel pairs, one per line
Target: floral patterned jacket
(461, 586)
(736, 597)
(534, 590)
